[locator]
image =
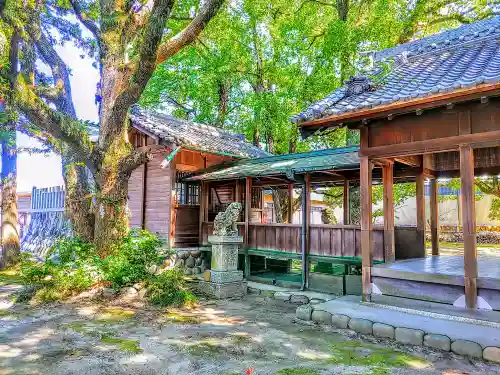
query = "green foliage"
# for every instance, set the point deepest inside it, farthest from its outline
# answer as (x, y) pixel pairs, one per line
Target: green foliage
(129, 263)
(494, 213)
(168, 289)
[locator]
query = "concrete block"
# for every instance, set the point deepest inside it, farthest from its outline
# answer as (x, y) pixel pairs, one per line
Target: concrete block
(468, 348)
(304, 312)
(340, 321)
(326, 283)
(409, 336)
(361, 326)
(353, 285)
(383, 330)
(321, 317)
(299, 299)
(282, 296)
(492, 354)
(441, 342)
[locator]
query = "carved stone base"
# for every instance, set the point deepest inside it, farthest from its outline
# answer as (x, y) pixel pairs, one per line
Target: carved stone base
(221, 291)
(225, 276)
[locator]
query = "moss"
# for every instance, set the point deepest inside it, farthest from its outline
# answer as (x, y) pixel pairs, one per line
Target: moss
(124, 344)
(379, 360)
(298, 371)
(181, 319)
(240, 340)
(115, 315)
(208, 347)
(88, 328)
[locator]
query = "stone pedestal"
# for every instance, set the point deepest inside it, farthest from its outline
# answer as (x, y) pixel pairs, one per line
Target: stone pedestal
(225, 279)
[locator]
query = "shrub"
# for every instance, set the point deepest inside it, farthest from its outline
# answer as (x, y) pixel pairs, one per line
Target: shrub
(132, 258)
(168, 289)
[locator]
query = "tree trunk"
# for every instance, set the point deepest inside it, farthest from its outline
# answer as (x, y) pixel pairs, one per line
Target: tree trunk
(10, 228)
(223, 91)
(280, 198)
(78, 202)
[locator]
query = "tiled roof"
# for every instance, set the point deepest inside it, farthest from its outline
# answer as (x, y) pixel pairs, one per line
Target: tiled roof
(456, 59)
(185, 133)
(288, 165)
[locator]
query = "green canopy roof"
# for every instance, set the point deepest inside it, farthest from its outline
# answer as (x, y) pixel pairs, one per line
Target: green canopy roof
(338, 158)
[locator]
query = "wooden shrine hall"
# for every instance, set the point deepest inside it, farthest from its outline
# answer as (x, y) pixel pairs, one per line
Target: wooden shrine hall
(269, 244)
(438, 110)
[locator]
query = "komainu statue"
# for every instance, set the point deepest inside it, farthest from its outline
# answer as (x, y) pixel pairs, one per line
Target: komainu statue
(225, 222)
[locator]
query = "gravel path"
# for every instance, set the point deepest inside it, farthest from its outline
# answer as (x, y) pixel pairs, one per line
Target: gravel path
(253, 335)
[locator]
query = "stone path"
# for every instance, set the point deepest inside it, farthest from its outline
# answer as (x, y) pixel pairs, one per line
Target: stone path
(257, 334)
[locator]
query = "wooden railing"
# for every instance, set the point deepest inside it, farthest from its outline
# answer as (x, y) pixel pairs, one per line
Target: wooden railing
(325, 240)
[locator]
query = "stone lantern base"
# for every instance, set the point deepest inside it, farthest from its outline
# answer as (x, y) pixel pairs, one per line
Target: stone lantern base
(225, 279)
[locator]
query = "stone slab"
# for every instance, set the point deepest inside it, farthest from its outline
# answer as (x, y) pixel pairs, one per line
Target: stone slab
(468, 348)
(492, 354)
(353, 285)
(456, 328)
(321, 317)
(293, 291)
(304, 312)
(409, 336)
(327, 283)
(441, 342)
(222, 290)
(361, 325)
(225, 276)
(340, 321)
(383, 330)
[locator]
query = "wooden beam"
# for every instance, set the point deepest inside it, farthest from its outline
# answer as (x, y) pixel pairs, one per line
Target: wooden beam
(347, 213)
(290, 204)
(434, 216)
(486, 139)
(248, 216)
(467, 200)
(388, 185)
(420, 198)
(366, 225)
(411, 160)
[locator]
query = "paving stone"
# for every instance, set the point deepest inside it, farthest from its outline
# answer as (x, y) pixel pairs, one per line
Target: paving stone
(438, 341)
(321, 316)
(361, 326)
(409, 336)
(492, 353)
(253, 290)
(340, 321)
(383, 330)
(468, 348)
(282, 296)
(304, 312)
(299, 299)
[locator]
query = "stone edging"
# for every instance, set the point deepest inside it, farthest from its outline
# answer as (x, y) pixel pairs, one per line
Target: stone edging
(400, 334)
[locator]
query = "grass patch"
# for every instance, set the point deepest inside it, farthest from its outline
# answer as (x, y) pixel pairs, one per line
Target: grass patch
(297, 371)
(202, 348)
(123, 344)
(86, 328)
(10, 276)
(379, 360)
(181, 319)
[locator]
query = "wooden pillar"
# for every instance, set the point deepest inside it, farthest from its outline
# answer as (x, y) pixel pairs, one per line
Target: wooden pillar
(248, 216)
(203, 202)
(388, 184)
(468, 224)
(347, 219)
(420, 198)
(366, 225)
(434, 216)
(290, 204)
(306, 225)
(237, 191)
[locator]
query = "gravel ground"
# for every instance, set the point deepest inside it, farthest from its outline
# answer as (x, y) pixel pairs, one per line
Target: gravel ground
(254, 335)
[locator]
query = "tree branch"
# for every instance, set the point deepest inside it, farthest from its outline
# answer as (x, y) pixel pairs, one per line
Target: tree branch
(190, 33)
(85, 20)
(133, 160)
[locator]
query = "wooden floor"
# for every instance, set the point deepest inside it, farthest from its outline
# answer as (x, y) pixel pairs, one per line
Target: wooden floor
(488, 267)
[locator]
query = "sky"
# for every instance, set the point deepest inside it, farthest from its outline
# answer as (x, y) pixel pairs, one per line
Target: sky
(45, 170)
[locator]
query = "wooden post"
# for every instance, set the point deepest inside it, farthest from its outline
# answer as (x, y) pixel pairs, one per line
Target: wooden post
(290, 204)
(420, 191)
(388, 183)
(203, 192)
(468, 224)
(347, 219)
(248, 216)
(366, 225)
(434, 216)
(306, 225)
(237, 192)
